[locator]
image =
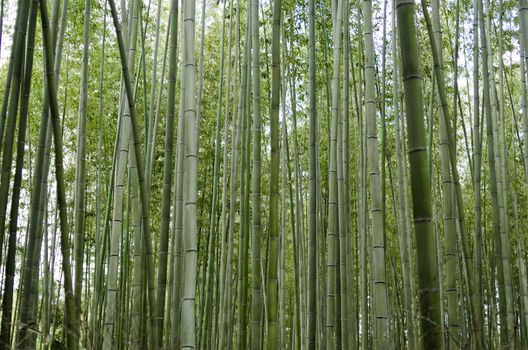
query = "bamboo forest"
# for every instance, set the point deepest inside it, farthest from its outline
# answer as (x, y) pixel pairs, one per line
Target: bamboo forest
(263, 174)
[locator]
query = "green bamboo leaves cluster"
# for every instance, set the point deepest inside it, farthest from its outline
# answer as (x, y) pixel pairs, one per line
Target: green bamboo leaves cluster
(263, 174)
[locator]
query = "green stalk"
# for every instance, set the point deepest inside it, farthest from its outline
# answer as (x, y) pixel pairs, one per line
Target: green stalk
(7, 299)
(207, 336)
(272, 277)
(332, 231)
(72, 340)
(402, 190)
(449, 223)
(167, 176)
(377, 239)
(428, 279)
(7, 140)
(80, 173)
(312, 210)
(244, 120)
(190, 179)
(141, 176)
(256, 225)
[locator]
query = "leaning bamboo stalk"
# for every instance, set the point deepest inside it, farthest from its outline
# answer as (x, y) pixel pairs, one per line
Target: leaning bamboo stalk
(121, 156)
(12, 62)
(7, 140)
(39, 196)
(7, 299)
(448, 203)
(467, 259)
(141, 174)
(72, 341)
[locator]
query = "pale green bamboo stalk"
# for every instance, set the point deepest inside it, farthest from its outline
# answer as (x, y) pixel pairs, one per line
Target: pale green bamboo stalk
(174, 341)
(477, 164)
(201, 67)
(436, 186)
(151, 134)
(523, 281)
(283, 229)
(523, 7)
(110, 313)
(10, 264)
(141, 177)
(247, 152)
(296, 217)
(503, 157)
(362, 216)
(137, 314)
(300, 236)
(236, 126)
(167, 176)
(312, 211)
(8, 135)
(199, 102)
(46, 293)
(332, 231)
(448, 217)
(341, 305)
(256, 226)
(243, 107)
(191, 171)
(380, 297)
(466, 253)
(124, 253)
(492, 164)
(224, 241)
(2, 6)
(207, 336)
(38, 196)
(523, 26)
(227, 298)
(117, 229)
(272, 276)
(402, 190)
(177, 215)
(80, 173)
(98, 240)
(350, 249)
(15, 59)
(72, 341)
